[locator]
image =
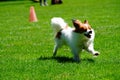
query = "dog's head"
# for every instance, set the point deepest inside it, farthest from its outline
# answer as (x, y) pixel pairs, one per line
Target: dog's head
(82, 27)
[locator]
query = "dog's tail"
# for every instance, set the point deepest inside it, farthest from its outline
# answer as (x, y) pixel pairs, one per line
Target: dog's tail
(58, 24)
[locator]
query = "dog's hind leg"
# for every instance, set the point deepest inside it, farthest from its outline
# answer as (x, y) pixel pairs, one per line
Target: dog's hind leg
(55, 50)
(58, 44)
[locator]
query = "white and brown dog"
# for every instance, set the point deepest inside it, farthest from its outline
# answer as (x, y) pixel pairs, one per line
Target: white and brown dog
(78, 38)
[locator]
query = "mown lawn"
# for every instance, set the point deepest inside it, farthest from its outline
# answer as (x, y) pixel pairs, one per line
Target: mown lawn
(26, 48)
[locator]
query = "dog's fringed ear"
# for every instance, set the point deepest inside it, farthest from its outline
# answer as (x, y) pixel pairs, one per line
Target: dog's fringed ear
(79, 27)
(86, 22)
(76, 23)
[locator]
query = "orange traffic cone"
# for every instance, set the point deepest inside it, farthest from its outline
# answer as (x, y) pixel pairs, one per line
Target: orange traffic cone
(33, 17)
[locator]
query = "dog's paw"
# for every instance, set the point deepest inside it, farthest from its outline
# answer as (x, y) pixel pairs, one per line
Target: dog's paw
(76, 59)
(96, 53)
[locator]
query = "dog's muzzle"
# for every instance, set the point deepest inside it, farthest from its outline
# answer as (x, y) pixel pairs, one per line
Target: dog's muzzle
(88, 34)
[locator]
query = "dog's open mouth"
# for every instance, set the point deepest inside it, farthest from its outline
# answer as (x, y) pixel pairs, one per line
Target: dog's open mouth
(88, 34)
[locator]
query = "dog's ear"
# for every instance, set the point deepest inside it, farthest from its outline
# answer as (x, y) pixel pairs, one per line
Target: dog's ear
(76, 23)
(86, 22)
(79, 26)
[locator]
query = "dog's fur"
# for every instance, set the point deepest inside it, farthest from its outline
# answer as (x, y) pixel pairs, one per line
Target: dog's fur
(78, 38)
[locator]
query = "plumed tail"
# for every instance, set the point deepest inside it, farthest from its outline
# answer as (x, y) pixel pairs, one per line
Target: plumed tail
(57, 24)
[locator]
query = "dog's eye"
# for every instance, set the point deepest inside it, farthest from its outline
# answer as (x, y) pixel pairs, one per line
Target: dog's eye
(90, 32)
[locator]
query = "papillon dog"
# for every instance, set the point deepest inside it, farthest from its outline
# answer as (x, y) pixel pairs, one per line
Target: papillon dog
(80, 37)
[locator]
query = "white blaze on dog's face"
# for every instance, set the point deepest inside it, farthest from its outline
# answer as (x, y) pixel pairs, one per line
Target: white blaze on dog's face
(82, 27)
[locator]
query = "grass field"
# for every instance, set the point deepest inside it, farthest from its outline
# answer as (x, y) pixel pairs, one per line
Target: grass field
(26, 48)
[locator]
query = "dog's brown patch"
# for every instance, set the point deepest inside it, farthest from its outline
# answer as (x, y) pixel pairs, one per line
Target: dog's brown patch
(81, 27)
(58, 35)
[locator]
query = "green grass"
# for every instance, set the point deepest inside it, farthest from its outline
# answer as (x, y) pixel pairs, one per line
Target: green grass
(26, 48)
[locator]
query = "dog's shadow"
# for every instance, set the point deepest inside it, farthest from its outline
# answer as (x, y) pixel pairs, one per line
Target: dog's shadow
(62, 59)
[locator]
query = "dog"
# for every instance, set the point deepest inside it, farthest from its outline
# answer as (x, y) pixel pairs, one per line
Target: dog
(78, 38)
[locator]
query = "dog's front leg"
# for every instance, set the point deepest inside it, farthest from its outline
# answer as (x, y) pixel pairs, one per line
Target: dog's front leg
(90, 49)
(75, 52)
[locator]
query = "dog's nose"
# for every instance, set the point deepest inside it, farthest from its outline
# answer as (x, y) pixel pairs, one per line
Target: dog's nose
(90, 32)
